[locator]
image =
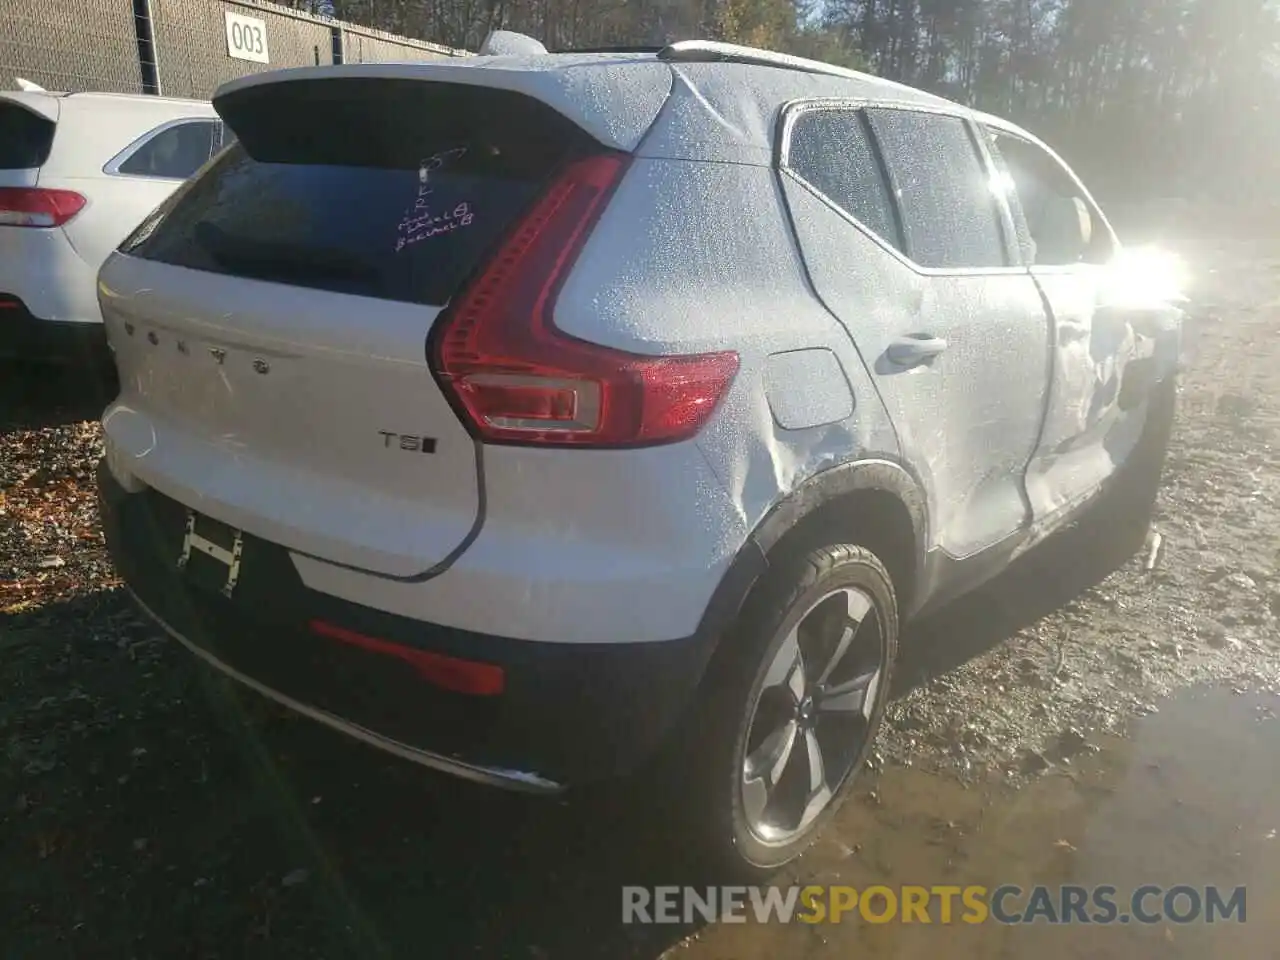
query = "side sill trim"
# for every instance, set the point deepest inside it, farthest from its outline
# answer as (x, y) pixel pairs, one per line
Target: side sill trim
(516, 780)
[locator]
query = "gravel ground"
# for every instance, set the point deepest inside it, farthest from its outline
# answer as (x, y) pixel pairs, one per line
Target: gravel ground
(149, 810)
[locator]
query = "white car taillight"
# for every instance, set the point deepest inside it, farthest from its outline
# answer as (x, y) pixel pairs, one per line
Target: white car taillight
(514, 378)
(38, 207)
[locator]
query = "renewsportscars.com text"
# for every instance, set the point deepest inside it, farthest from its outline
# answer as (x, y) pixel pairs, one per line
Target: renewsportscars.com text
(1008, 904)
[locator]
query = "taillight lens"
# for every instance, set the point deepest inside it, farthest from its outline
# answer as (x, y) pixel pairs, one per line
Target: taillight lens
(38, 207)
(515, 378)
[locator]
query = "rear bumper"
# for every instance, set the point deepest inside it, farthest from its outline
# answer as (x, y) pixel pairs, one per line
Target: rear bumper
(513, 779)
(42, 269)
(568, 713)
(24, 336)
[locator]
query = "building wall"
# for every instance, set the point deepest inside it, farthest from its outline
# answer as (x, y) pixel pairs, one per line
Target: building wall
(73, 45)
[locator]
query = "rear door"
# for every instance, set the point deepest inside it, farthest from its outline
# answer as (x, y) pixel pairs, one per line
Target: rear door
(924, 276)
(271, 319)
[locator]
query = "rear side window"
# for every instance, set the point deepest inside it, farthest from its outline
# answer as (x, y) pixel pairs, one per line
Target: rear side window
(25, 138)
(387, 189)
(832, 150)
(176, 152)
(949, 209)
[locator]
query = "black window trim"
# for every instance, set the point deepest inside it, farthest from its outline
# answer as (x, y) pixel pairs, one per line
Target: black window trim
(792, 111)
(112, 166)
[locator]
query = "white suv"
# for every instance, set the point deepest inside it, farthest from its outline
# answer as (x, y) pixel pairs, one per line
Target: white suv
(78, 172)
(554, 418)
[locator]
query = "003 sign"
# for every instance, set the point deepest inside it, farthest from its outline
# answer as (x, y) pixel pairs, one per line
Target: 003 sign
(247, 38)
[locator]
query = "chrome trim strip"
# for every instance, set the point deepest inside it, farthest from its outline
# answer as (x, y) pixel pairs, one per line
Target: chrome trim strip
(509, 779)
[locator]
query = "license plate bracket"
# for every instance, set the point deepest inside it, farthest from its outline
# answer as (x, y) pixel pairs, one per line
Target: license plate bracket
(228, 556)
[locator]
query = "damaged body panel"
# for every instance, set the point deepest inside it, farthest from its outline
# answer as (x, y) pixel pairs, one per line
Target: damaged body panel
(608, 346)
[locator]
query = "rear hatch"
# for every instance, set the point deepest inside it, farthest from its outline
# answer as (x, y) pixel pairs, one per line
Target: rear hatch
(271, 318)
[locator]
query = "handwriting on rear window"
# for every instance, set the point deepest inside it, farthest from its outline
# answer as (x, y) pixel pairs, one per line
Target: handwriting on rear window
(422, 227)
(423, 220)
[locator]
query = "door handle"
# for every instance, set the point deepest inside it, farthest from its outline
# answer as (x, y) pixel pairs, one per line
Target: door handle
(915, 349)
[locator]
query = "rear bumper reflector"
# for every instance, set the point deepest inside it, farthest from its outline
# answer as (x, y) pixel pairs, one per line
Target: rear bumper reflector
(448, 673)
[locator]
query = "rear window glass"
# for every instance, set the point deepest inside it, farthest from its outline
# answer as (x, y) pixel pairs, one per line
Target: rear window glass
(387, 189)
(949, 210)
(25, 138)
(831, 150)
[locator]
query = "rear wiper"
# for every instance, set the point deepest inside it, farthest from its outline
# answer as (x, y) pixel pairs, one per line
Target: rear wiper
(278, 260)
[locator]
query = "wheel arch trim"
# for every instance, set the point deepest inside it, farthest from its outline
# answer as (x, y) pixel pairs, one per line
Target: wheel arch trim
(785, 515)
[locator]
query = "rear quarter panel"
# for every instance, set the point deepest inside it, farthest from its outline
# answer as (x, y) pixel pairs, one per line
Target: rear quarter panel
(92, 131)
(699, 256)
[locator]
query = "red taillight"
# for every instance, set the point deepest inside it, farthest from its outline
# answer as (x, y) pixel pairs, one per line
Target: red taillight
(449, 673)
(38, 207)
(515, 378)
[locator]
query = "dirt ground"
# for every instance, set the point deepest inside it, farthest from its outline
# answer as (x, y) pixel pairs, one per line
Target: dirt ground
(150, 810)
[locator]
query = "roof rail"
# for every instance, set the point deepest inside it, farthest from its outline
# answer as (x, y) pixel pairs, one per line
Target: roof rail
(713, 51)
(621, 49)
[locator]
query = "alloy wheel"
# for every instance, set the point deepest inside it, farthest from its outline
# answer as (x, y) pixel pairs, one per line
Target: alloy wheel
(811, 720)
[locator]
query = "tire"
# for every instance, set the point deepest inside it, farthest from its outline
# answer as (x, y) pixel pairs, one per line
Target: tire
(804, 605)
